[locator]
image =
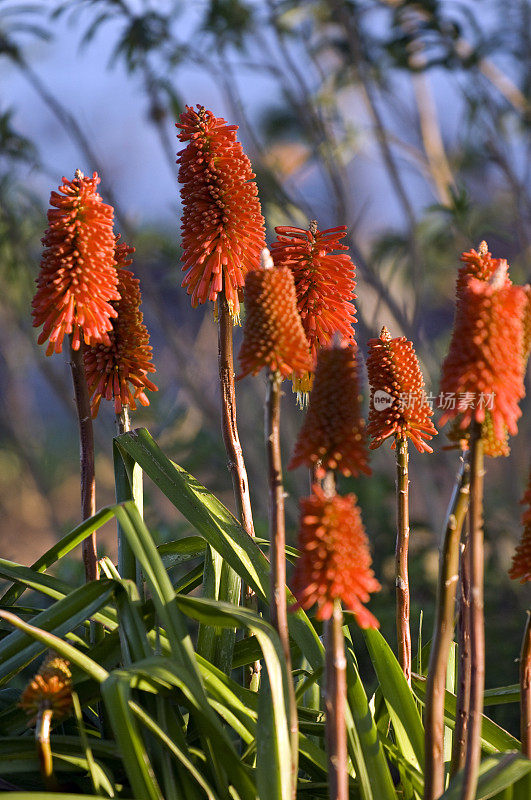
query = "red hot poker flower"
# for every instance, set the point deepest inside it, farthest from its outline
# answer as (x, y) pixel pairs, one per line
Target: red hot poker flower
(222, 225)
(333, 434)
(77, 279)
(485, 359)
(272, 335)
(335, 562)
(51, 688)
(324, 282)
(398, 405)
(521, 566)
(112, 369)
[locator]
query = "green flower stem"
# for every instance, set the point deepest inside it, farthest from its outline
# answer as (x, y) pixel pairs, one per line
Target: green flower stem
(477, 622)
(277, 535)
(335, 702)
(401, 557)
(442, 636)
(86, 439)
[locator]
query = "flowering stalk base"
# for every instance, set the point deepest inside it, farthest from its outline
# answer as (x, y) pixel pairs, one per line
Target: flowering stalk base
(277, 538)
(463, 667)
(401, 557)
(86, 440)
(128, 486)
(442, 637)
(336, 696)
(477, 623)
(233, 447)
(44, 751)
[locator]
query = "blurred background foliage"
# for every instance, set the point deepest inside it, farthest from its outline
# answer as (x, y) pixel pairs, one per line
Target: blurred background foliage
(406, 121)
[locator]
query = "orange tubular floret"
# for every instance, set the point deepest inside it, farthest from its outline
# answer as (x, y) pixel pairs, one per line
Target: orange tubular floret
(521, 566)
(222, 224)
(335, 563)
(118, 370)
(398, 405)
(486, 352)
(273, 335)
(333, 434)
(77, 279)
(324, 282)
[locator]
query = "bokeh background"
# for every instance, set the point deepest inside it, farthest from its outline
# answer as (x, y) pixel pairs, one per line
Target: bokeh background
(406, 121)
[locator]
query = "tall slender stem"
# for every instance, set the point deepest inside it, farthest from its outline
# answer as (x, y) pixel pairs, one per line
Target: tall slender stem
(86, 440)
(229, 427)
(401, 557)
(336, 695)
(463, 664)
(44, 751)
(233, 448)
(277, 536)
(477, 626)
(525, 689)
(128, 486)
(442, 636)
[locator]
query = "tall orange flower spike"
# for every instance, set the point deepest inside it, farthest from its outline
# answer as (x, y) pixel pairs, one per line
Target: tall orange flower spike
(77, 279)
(333, 435)
(398, 405)
(222, 224)
(521, 566)
(485, 361)
(51, 688)
(118, 370)
(335, 562)
(272, 335)
(324, 282)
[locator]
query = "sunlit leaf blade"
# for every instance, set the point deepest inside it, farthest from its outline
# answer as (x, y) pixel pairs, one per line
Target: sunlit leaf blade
(398, 697)
(496, 773)
(62, 548)
(221, 530)
(493, 737)
(364, 744)
(20, 648)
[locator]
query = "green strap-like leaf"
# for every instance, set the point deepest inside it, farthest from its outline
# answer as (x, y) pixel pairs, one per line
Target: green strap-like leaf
(496, 773)
(399, 698)
(221, 530)
(493, 737)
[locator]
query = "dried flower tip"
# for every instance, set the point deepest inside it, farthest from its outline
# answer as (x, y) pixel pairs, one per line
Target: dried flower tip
(485, 359)
(333, 434)
(398, 406)
(50, 689)
(222, 225)
(272, 335)
(266, 262)
(118, 370)
(483, 248)
(521, 566)
(324, 281)
(77, 278)
(335, 562)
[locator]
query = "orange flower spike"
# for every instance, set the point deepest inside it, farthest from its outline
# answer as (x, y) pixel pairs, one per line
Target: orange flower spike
(333, 432)
(521, 566)
(272, 335)
(398, 405)
(77, 279)
(222, 224)
(335, 562)
(118, 370)
(324, 281)
(486, 351)
(51, 688)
